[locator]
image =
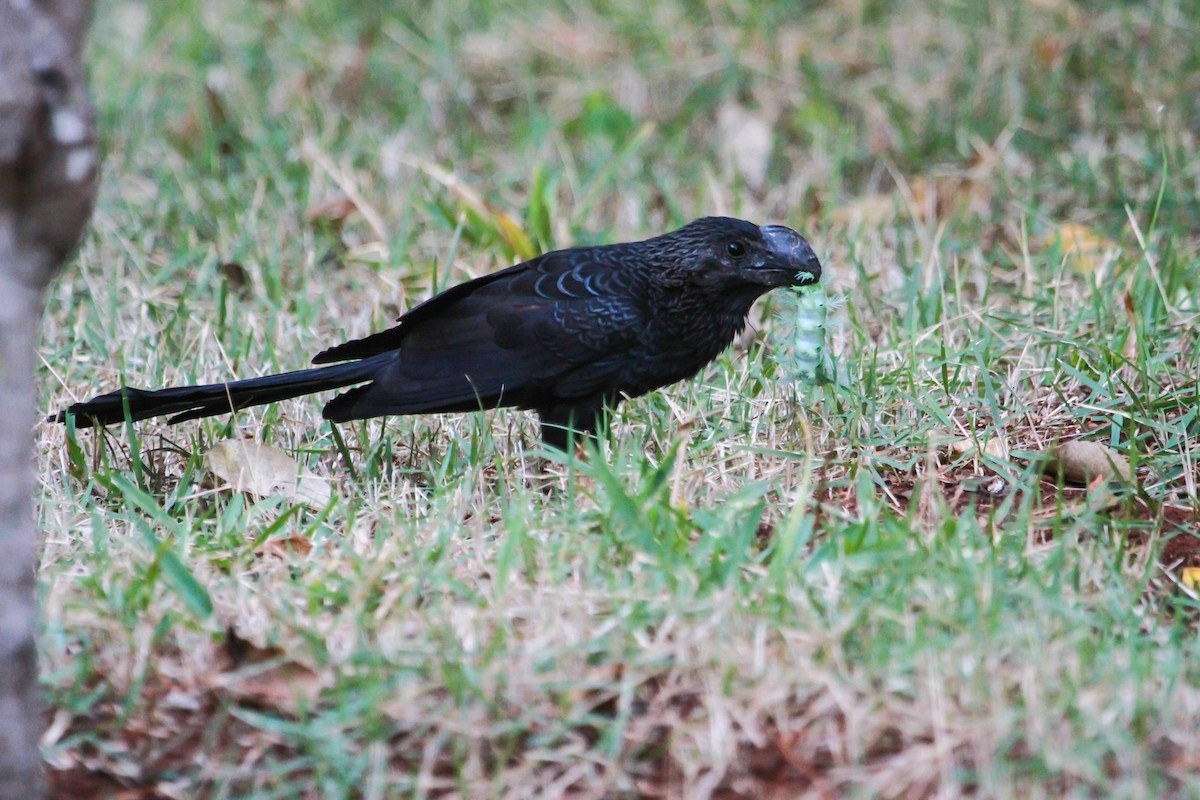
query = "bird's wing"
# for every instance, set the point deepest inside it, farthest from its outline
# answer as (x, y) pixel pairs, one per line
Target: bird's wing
(562, 275)
(557, 327)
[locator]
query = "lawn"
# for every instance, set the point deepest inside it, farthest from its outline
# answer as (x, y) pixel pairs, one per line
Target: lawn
(756, 588)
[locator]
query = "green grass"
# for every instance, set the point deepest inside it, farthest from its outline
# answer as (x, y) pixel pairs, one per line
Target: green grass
(756, 588)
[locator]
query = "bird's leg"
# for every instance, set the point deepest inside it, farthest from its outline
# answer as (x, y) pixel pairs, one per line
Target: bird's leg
(567, 423)
(575, 429)
(561, 434)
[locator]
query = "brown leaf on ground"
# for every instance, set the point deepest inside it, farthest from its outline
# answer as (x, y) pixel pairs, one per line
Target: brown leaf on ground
(235, 275)
(506, 227)
(1130, 350)
(1085, 462)
(936, 197)
(288, 547)
(264, 677)
(1182, 549)
(80, 782)
(1086, 250)
(264, 471)
(930, 197)
(331, 210)
(992, 447)
(208, 117)
(1191, 578)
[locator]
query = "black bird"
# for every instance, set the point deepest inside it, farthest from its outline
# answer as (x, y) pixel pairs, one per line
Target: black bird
(568, 334)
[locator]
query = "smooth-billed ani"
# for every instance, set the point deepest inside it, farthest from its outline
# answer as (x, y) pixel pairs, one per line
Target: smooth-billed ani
(568, 334)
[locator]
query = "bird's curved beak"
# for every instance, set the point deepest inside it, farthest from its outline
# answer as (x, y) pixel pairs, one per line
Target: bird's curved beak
(790, 259)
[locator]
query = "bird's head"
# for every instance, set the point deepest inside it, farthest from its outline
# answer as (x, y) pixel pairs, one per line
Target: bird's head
(729, 252)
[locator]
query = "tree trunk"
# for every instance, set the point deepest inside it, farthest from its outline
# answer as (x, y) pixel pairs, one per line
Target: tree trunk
(47, 186)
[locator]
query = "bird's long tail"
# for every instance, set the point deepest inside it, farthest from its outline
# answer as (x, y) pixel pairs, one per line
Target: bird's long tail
(194, 402)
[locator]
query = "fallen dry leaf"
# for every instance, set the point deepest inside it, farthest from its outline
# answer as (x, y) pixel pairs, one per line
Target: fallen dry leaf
(993, 447)
(288, 547)
(331, 210)
(264, 677)
(210, 117)
(514, 235)
(927, 197)
(1130, 350)
(265, 471)
(1085, 462)
(503, 223)
(347, 182)
(1084, 248)
(1191, 578)
(936, 197)
(235, 275)
(279, 685)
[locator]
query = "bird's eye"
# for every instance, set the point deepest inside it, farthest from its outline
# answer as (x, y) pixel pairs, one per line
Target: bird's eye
(737, 249)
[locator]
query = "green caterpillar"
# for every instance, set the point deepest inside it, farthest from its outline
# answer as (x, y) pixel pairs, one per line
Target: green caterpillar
(808, 337)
